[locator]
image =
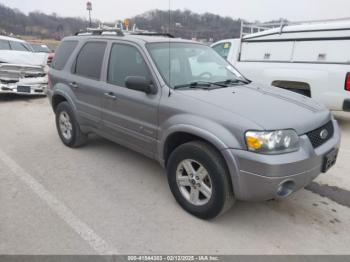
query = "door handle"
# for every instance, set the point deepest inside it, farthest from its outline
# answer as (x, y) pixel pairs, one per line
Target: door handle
(74, 85)
(111, 95)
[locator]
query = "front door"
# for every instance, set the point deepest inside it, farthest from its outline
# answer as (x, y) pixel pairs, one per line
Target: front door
(129, 117)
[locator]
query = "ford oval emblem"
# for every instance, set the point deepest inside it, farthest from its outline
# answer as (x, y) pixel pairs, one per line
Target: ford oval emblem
(324, 134)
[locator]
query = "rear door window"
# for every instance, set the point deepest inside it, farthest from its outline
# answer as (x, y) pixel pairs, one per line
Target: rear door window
(63, 53)
(90, 59)
(4, 45)
(18, 46)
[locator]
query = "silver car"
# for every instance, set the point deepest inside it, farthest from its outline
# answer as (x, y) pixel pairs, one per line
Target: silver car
(220, 137)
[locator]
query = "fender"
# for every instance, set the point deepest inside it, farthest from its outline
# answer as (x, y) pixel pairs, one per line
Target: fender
(66, 92)
(218, 135)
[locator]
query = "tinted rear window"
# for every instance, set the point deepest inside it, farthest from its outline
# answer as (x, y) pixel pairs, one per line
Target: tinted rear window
(63, 53)
(4, 45)
(90, 59)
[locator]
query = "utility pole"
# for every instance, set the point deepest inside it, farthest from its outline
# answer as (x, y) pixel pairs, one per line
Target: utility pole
(89, 8)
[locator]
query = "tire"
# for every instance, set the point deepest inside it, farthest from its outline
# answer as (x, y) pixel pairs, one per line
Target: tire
(66, 120)
(204, 159)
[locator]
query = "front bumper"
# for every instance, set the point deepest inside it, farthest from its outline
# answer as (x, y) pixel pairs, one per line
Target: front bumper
(35, 86)
(257, 177)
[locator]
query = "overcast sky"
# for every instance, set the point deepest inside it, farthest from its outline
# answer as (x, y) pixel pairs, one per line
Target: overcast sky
(263, 10)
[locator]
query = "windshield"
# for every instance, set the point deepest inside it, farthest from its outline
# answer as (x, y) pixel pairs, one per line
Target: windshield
(186, 63)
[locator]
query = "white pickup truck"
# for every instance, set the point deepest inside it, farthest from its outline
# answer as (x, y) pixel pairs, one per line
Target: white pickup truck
(311, 59)
(22, 71)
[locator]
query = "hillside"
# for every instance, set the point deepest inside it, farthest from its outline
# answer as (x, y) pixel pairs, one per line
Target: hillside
(37, 24)
(185, 24)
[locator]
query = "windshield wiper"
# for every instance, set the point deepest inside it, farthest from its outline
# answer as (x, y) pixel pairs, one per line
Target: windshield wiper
(200, 84)
(234, 81)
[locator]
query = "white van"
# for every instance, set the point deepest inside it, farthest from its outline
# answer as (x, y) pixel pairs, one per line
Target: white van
(311, 59)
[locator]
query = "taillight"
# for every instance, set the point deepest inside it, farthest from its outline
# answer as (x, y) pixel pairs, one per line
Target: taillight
(347, 82)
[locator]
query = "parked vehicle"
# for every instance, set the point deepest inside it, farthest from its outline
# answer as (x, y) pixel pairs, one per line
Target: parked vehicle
(219, 136)
(21, 70)
(311, 59)
(42, 48)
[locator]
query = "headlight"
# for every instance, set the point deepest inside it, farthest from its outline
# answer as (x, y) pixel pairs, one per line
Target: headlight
(272, 142)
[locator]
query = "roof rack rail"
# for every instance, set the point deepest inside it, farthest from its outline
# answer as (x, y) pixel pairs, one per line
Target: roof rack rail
(100, 31)
(119, 31)
(153, 34)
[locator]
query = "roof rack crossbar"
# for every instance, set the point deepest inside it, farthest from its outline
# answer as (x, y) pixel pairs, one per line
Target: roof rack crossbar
(153, 34)
(100, 31)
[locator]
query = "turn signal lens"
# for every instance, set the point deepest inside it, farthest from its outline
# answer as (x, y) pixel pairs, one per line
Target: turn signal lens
(254, 143)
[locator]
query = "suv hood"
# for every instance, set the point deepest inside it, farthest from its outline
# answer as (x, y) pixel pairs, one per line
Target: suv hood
(271, 108)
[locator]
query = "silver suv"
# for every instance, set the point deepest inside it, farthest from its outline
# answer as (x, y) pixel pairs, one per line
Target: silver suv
(219, 136)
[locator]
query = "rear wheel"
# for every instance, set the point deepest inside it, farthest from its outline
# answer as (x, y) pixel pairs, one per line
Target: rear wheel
(68, 128)
(199, 180)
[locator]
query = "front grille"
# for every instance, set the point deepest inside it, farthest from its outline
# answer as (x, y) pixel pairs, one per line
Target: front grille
(316, 137)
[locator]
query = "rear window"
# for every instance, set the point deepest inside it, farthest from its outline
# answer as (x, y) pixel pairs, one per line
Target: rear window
(63, 53)
(90, 59)
(4, 45)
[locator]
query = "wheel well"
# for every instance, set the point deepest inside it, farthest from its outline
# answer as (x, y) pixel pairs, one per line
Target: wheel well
(294, 86)
(56, 100)
(177, 139)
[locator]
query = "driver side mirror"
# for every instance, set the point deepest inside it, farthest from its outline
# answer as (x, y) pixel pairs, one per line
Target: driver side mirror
(140, 83)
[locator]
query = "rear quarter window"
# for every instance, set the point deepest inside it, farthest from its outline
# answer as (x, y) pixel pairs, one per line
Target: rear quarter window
(63, 53)
(89, 60)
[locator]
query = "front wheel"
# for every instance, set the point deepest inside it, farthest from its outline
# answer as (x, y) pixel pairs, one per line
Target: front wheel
(199, 180)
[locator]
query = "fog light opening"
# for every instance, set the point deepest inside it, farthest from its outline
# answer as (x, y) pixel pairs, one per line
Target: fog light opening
(286, 189)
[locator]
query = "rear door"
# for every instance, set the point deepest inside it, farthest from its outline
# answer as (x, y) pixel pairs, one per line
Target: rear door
(85, 81)
(130, 117)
